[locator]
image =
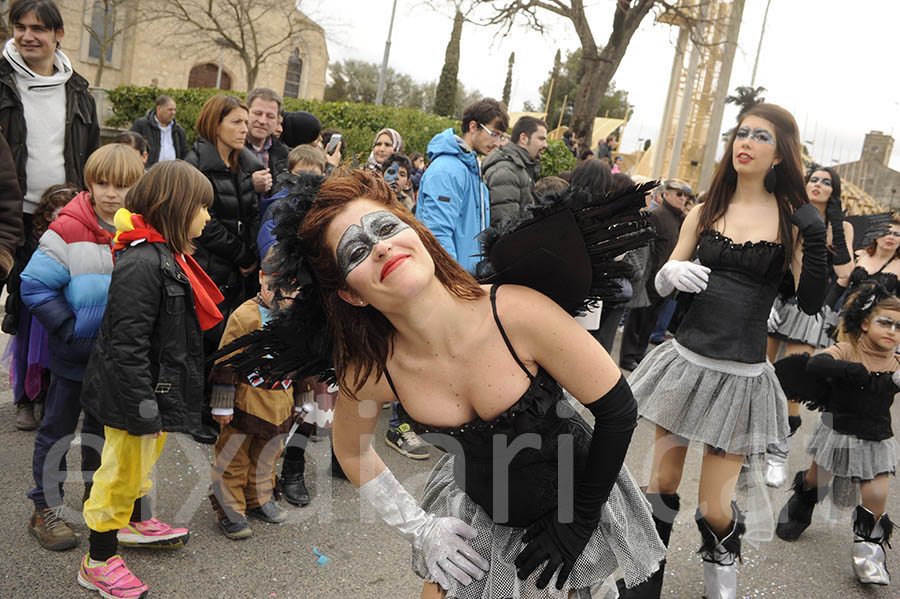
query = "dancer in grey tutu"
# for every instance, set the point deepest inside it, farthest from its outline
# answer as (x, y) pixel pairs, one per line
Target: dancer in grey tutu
(711, 383)
(853, 446)
(803, 333)
(528, 502)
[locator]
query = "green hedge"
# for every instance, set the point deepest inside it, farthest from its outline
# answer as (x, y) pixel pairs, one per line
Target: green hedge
(556, 158)
(358, 122)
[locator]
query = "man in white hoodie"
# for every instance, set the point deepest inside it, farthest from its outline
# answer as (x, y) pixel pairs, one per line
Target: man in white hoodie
(47, 113)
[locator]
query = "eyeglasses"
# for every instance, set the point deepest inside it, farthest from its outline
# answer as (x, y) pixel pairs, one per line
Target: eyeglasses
(887, 324)
(759, 134)
(823, 180)
(494, 134)
(679, 193)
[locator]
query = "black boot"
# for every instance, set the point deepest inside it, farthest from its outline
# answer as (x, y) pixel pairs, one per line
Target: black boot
(293, 485)
(665, 508)
(720, 556)
(796, 514)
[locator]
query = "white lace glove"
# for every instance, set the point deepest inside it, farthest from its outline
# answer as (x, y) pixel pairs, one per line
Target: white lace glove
(774, 320)
(681, 275)
(441, 540)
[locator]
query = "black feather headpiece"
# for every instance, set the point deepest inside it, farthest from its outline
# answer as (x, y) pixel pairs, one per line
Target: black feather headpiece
(860, 304)
(565, 245)
(297, 342)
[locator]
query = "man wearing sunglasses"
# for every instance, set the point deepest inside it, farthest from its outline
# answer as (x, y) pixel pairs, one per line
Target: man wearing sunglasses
(453, 201)
(667, 221)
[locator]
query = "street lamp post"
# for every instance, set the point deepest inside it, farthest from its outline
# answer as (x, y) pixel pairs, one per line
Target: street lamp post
(222, 43)
(379, 95)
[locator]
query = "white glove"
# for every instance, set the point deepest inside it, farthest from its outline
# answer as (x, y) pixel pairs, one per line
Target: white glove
(681, 275)
(896, 377)
(441, 540)
(775, 320)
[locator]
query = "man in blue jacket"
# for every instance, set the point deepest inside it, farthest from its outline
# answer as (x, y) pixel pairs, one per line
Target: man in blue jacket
(453, 201)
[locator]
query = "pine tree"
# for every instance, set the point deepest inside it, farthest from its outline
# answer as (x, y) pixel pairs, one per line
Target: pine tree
(445, 94)
(507, 87)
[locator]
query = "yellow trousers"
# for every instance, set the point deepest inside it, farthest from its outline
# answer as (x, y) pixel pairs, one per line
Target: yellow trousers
(123, 477)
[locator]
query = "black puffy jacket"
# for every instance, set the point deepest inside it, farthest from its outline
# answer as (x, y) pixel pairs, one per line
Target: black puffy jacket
(148, 126)
(229, 239)
(145, 373)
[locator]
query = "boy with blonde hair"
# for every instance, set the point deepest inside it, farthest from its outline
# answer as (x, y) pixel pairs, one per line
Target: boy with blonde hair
(65, 285)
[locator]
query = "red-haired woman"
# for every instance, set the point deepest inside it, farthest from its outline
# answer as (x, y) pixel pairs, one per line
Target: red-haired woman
(525, 482)
(711, 384)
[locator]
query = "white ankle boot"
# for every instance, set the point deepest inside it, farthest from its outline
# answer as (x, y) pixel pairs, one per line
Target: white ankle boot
(869, 538)
(720, 556)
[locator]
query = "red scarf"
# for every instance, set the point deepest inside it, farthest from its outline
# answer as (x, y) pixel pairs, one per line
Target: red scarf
(206, 293)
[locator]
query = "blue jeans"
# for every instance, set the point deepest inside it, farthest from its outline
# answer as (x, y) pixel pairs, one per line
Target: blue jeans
(395, 418)
(662, 324)
(62, 407)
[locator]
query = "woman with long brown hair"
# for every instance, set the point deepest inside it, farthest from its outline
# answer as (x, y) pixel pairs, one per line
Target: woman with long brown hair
(525, 481)
(711, 384)
(791, 327)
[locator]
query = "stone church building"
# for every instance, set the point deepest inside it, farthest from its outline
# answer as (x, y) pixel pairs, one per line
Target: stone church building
(148, 53)
(872, 173)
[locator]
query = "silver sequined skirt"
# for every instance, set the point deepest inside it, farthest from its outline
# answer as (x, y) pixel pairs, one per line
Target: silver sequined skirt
(799, 327)
(850, 459)
(739, 408)
(626, 538)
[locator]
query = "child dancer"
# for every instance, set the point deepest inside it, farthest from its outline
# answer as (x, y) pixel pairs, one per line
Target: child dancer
(251, 416)
(854, 382)
(144, 378)
(65, 285)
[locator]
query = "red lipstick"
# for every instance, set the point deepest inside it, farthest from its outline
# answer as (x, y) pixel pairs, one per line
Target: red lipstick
(392, 264)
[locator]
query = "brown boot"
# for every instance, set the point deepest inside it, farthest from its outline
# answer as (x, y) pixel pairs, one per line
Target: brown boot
(51, 531)
(25, 420)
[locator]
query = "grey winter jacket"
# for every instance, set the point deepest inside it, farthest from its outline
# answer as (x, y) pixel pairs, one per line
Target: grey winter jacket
(509, 173)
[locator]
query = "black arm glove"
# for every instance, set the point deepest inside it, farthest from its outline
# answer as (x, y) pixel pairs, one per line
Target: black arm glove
(557, 543)
(824, 365)
(838, 242)
(814, 273)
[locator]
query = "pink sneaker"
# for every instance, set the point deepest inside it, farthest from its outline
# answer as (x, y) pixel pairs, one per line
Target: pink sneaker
(153, 533)
(112, 579)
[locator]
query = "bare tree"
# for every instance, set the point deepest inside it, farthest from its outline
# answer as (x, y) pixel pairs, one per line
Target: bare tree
(109, 21)
(599, 64)
(256, 30)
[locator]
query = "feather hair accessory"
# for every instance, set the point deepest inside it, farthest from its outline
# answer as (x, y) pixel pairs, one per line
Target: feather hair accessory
(297, 342)
(859, 306)
(566, 245)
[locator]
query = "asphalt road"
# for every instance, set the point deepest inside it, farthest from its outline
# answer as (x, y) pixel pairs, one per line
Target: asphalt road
(367, 561)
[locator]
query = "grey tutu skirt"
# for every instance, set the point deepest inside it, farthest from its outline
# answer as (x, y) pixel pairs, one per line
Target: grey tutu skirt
(851, 460)
(626, 538)
(735, 407)
(799, 327)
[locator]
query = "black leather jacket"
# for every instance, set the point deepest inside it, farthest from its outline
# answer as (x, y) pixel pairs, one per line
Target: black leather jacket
(229, 239)
(82, 125)
(145, 373)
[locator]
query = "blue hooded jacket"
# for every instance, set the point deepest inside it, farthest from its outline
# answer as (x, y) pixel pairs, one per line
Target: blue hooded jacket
(453, 201)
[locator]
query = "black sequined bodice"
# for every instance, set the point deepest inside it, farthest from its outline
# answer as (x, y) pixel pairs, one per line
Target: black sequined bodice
(727, 321)
(522, 445)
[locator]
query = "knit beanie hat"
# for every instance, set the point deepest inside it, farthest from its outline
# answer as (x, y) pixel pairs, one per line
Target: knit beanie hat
(300, 128)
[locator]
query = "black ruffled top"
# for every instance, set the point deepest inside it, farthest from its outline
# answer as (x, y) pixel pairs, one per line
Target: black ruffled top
(861, 411)
(520, 445)
(727, 321)
(888, 280)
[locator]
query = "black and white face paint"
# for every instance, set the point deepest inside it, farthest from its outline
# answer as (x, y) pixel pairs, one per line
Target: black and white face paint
(357, 241)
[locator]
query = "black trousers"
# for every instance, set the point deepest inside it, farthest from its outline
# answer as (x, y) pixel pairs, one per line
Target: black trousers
(638, 326)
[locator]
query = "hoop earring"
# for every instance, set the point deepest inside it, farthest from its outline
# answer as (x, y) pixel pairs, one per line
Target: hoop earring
(770, 180)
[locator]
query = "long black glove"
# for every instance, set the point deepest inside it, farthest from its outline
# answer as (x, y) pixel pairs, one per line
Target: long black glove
(814, 274)
(557, 543)
(824, 365)
(835, 215)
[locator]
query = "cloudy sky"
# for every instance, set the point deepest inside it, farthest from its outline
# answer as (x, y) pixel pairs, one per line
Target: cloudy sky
(832, 63)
